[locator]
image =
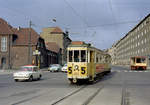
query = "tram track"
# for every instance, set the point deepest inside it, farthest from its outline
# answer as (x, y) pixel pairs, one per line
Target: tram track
(76, 93)
(92, 97)
(125, 95)
(65, 97)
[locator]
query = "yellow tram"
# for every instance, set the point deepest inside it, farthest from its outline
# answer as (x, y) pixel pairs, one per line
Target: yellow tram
(138, 62)
(86, 62)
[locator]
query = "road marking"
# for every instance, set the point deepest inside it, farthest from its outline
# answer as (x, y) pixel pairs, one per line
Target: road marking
(128, 71)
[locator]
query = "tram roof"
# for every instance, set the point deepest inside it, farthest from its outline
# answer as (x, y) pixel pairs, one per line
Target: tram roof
(83, 44)
(79, 44)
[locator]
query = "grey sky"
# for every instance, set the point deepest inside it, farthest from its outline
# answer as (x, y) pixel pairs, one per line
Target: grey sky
(101, 22)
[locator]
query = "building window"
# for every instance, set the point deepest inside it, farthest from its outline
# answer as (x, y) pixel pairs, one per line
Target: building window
(142, 50)
(4, 44)
(142, 33)
(145, 40)
(138, 43)
(142, 42)
(138, 35)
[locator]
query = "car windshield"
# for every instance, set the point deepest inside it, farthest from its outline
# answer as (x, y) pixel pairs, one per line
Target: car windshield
(26, 69)
(55, 65)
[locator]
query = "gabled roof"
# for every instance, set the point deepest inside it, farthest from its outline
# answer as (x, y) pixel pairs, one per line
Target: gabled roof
(23, 36)
(52, 46)
(5, 28)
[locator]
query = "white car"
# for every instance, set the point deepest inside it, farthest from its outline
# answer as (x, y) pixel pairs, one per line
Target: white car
(54, 68)
(64, 68)
(28, 72)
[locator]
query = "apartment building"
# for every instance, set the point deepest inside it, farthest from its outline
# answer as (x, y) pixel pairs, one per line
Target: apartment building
(112, 53)
(135, 43)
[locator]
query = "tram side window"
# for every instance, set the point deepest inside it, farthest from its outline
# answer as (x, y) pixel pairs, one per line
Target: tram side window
(100, 59)
(106, 59)
(83, 56)
(76, 56)
(70, 56)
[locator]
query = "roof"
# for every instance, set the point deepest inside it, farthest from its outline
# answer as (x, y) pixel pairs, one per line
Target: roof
(53, 30)
(139, 57)
(77, 42)
(52, 46)
(23, 36)
(5, 28)
(56, 30)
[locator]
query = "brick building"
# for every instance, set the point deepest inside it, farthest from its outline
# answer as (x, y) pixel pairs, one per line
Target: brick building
(55, 34)
(53, 53)
(16, 50)
(5, 39)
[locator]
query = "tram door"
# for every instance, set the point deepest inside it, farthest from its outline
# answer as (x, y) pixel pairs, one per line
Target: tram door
(92, 64)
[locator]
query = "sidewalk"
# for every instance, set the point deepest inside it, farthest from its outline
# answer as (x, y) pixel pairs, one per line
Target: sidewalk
(7, 71)
(11, 71)
(128, 66)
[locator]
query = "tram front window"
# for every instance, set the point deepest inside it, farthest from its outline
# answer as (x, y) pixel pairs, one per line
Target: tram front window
(70, 56)
(140, 60)
(76, 56)
(83, 56)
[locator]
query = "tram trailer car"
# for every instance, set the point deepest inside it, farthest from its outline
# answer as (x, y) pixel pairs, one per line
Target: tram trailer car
(86, 62)
(138, 63)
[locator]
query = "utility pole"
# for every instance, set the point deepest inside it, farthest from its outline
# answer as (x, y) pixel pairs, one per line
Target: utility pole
(29, 44)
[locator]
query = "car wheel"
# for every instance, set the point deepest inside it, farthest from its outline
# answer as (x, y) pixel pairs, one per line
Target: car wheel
(31, 78)
(16, 80)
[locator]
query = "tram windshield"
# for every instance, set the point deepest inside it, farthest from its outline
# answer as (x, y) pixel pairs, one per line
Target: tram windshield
(140, 60)
(77, 56)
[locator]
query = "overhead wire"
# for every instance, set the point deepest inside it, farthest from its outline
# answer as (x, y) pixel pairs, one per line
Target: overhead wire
(117, 23)
(76, 13)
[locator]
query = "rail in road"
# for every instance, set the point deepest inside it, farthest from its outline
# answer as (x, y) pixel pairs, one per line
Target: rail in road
(92, 92)
(115, 89)
(63, 98)
(125, 95)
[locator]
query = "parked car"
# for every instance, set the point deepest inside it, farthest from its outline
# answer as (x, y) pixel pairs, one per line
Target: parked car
(64, 68)
(28, 72)
(54, 68)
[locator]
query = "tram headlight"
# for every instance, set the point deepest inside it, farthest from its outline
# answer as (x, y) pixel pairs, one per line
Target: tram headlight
(76, 67)
(70, 70)
(83, 70)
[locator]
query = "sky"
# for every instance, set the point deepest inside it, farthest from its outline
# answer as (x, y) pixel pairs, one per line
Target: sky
(99, 22)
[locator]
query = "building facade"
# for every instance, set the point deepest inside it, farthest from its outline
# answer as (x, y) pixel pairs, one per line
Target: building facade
(112, 53)
(17, 50)
(5, 44)
(53, 53)
(134, 43)
(55, 34)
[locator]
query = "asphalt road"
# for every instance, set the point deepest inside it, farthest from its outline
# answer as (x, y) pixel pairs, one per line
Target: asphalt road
(121, 87)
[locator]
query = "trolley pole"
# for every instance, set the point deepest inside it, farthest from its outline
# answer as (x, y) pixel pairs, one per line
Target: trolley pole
(29, 44)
